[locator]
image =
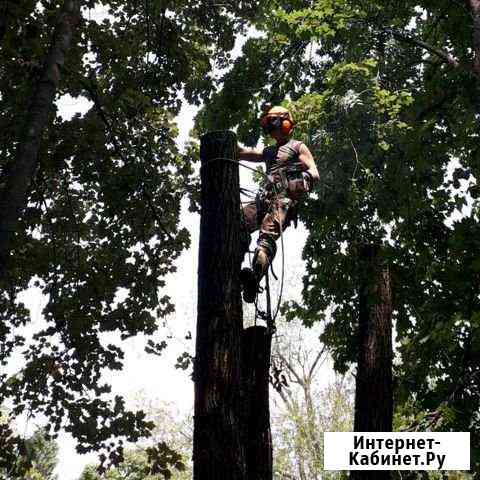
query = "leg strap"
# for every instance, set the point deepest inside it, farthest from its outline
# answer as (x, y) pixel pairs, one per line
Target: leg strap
(264, 255)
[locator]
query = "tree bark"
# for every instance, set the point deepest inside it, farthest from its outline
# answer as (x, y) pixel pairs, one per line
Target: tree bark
(256, 351)
(218, 453)
(373, 395)
(19, 175)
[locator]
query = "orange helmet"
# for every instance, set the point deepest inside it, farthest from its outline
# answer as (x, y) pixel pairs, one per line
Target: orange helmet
(277, 117)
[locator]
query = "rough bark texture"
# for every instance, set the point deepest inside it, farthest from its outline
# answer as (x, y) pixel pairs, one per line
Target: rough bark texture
(13, 198)
(218, 453)
(373, 396)
(256, 351)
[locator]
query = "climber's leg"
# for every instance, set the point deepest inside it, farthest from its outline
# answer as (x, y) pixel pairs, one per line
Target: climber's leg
(274, 222)
(248, 224)
(273, 225)
(264, 255)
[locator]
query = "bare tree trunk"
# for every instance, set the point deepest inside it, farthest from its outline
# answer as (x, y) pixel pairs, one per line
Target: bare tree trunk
(18, 175)
(373, 396)
(218, 453)
(311, 430)
(256, 350)
(301, 462)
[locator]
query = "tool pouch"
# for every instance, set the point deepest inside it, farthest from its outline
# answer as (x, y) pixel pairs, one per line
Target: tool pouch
(297, 184)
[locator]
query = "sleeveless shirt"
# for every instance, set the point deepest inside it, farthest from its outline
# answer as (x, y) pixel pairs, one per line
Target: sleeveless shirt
(286, 156)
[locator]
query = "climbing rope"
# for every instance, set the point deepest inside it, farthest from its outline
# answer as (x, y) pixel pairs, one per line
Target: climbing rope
(266, 316)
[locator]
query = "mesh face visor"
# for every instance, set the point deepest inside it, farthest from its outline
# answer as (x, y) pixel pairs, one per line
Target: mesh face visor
(271, 123)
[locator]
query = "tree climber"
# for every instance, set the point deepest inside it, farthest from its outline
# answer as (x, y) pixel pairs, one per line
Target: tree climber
(291, 173)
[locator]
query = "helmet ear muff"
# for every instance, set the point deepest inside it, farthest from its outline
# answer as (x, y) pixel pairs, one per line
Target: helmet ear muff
(287, 126)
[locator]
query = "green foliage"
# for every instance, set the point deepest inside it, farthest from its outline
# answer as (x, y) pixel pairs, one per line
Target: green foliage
(43, 454)
(325, 19)
(135, 466)
(158, 461)
(101, 229)
(385, 112)
(32, 459)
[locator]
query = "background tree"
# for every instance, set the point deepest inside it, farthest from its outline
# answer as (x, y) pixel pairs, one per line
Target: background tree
(307, 404)
(170, 428)
(37, 460)
(135, 466)
(42, 454)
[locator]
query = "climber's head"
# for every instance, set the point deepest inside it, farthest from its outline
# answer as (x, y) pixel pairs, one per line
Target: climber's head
(277, 122)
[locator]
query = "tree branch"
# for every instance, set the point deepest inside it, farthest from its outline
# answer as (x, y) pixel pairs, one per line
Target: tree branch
(449, 95)
(315, 363)
(92, 91)
(444, 56)
(19, 175)
(291, 369)
(282, 396)
(435, 415)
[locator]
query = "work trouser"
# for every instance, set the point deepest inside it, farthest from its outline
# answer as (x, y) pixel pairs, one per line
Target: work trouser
(272, 216)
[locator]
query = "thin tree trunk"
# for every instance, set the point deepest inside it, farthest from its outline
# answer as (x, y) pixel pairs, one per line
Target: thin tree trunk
(4, 17)
(218, 453)
(373, 396)
(475, 8)
(19, 175)
(312, 430)
(299, 453)
(256, 351)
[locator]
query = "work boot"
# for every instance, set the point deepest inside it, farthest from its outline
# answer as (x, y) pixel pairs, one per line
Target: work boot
(249, 285)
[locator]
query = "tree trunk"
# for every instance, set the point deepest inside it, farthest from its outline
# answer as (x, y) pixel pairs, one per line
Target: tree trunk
(256, 351)
(18, 175)
(373, 396)
(475, 9)
(218, 453)
(311, 430)
(4, 17)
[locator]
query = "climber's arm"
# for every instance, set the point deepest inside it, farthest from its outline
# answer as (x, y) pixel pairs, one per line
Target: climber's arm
(250, 154)
(306, 159)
